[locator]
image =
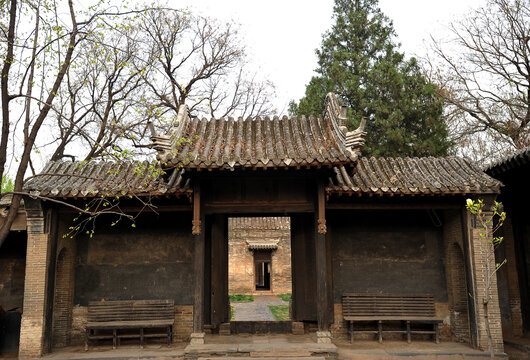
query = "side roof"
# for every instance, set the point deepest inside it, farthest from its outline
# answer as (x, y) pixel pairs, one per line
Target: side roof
(413, 176)
(270, 142)
(99, 178)
(517, 159)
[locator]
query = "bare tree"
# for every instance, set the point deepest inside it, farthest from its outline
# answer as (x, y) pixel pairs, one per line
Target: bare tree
(201, 62)
(40, 47)
(86, 89)
(98, 108)
(483, 74)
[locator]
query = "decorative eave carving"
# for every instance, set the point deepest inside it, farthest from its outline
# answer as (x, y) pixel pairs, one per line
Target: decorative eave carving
(263, 244)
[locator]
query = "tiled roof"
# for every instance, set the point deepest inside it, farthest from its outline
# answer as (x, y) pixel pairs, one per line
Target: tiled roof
(278, 142)
(520, 157)
(413, 176)
(77, 179)
(383, 176)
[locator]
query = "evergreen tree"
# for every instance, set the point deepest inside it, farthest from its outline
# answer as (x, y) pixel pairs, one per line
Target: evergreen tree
(361, 64)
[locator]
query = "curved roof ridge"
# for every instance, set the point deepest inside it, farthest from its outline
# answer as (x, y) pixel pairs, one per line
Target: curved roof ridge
(228, 143)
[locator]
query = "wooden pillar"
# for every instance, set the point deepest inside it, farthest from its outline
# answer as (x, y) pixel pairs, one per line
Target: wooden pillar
(323, 334)
(197, 337)
(513, 279)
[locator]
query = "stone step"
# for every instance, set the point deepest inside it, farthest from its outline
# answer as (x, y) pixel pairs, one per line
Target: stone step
(264, 358)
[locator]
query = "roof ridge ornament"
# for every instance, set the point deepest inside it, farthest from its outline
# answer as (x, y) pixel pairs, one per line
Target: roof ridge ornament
(166, 145)
(353, 140)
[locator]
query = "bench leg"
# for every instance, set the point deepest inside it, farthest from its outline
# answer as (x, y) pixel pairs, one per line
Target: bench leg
(114, 331)
(169, 335)
(141, 338)
(87, 334)
(436, 333)
(380, 328)
(350, 328)
(408, 332)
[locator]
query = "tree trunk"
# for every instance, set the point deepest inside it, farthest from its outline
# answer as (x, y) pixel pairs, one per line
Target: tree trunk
(488, 331)
(30, 141)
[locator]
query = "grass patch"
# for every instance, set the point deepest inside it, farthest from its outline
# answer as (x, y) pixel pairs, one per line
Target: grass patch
(280, 312)
(232, 313)
(241, 298)
(285, 297)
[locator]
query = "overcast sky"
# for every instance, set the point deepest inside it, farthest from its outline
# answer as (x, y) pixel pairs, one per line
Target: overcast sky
(282, 35)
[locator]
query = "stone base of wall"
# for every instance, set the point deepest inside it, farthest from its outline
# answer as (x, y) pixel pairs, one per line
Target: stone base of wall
(181, 331)
(31, 338)
(183, 323)
(79, 320)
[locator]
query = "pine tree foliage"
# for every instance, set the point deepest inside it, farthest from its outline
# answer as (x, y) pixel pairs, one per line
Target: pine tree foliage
(360, 62)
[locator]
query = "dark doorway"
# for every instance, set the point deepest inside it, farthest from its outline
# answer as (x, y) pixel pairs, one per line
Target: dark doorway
(12, 276)
(262, 266)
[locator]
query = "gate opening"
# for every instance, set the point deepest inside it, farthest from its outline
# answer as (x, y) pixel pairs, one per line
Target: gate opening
(259, 268)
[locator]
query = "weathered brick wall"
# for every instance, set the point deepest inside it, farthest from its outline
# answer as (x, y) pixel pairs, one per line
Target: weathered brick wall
(481, 248)
(183, 323)
(457, 290)
(241, 231)
(33, 319)
(79, 321)
(404, 254)
(64, 292)
(154, 260)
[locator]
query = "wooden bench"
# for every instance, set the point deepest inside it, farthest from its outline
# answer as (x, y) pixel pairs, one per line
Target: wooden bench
(381, 307)
(107, 318)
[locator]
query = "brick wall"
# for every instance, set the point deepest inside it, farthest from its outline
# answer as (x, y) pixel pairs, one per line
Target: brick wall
(456, 277)
(183, 323)
(33, 318)
(79, 320)
(64, 293)
(481, 248)
(241, 232)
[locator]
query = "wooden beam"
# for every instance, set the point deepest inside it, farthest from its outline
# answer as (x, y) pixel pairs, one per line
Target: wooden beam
(258, 208)
(394, 206)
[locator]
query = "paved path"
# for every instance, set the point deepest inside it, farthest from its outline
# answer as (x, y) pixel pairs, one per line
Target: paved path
(257, 310)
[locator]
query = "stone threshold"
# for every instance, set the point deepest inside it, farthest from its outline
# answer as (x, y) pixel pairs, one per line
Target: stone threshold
(258, 351)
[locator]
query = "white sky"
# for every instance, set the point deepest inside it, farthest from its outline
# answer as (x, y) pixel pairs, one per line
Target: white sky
(282, 35)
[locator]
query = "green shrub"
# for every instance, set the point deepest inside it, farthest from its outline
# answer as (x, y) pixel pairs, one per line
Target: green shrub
(285, 297)
(241, 298)
(280, 312)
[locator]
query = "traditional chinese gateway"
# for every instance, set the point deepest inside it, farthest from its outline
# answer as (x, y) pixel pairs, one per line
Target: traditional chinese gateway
(383, 228)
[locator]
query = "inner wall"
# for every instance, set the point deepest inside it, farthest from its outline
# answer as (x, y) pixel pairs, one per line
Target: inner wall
(153, 260)
(259, 242)
(387, 252)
